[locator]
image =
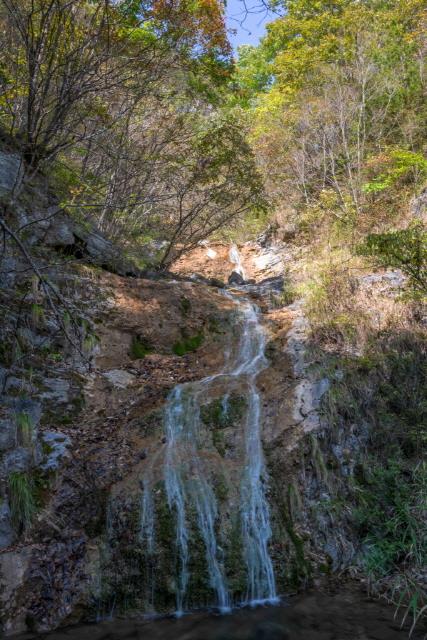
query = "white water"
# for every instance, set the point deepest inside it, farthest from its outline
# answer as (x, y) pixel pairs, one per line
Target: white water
(187, 481)
(234, 257)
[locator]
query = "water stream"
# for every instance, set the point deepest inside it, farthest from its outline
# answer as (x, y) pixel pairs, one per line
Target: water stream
(187, 480)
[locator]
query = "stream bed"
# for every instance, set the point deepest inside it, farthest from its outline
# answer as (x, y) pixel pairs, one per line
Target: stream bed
(347, 615)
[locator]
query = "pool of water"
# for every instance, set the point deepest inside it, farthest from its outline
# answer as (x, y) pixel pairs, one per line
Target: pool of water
(347, 615)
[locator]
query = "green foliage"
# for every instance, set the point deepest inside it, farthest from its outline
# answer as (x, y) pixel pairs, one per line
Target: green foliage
(404, 249)
(399, 164)
(140, 347)
(386, 389)
(338, 113)
(22, 503)
(187, 345)
(390, 514)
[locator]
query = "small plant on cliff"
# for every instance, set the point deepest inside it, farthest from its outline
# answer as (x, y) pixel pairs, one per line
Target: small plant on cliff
(186, 345)
(26, 429)
(22, 501)
(139, 348)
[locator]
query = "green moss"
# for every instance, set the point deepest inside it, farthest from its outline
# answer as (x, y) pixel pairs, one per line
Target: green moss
(217, 325)
(185, 306)
(235, 566)
(223, 412)
(187, 345)
(140, 347)
(200, 592)
(218, 441)
(221, 487)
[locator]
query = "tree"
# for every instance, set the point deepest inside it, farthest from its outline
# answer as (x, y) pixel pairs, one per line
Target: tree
(404, 249)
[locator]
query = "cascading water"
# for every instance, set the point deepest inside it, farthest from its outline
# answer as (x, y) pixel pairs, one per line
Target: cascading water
(188, 482)
(234, 257)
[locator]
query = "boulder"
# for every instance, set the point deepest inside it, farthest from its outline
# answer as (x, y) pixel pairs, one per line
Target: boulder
(119, 378)
(215, 282)
(287, 232)
(236, 278)
(60, 231)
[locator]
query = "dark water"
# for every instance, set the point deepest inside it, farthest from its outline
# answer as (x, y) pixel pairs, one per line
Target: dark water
(344, 616)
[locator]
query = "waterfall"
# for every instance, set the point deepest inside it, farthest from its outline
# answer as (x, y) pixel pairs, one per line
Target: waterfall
(234, 257)
(188, 482)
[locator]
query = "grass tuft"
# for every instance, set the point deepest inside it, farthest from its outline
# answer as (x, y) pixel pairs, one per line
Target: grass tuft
(22, 503)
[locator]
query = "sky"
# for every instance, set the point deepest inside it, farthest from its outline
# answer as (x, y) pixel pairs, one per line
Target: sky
(253, 22)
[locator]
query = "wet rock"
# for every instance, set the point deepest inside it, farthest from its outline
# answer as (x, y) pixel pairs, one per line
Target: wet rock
(274, 283)
(236, 278)
(11, 170)
(7, 534)
(119, 378)
(215, 282)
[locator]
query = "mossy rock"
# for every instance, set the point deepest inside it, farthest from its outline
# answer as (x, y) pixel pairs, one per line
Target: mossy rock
(223, 412)
(188, 344)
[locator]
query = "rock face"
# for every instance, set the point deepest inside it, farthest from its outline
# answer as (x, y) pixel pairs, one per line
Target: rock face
(10, 171)
(96, 436)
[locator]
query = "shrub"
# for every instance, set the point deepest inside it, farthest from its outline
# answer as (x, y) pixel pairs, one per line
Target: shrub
(399, 164)
(404, 249)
